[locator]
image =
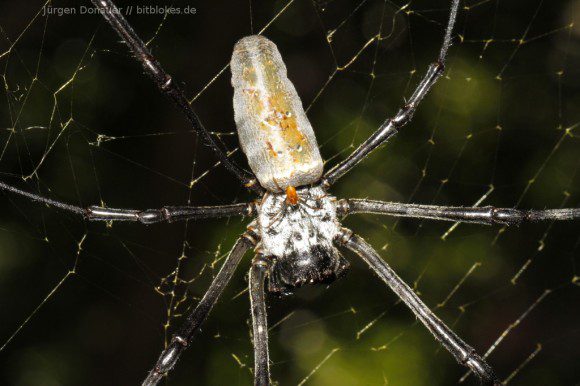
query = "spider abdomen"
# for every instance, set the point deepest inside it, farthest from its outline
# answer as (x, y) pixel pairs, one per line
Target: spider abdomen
(273, 129)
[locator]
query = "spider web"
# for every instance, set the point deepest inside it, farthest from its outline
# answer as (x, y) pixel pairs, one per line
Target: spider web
(94, 303)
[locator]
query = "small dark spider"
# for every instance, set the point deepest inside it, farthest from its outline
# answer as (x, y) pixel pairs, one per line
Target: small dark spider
(295, 233)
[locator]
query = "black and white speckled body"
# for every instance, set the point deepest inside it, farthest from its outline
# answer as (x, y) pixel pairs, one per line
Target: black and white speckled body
(299, 239)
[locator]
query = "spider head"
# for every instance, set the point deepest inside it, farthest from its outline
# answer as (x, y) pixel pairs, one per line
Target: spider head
(298, 236)
(319, 265)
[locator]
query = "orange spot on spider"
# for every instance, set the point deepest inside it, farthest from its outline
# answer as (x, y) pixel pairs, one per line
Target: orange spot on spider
(291, 196)
(271, 148)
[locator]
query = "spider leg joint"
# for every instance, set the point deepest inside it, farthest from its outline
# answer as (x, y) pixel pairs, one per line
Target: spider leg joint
(404, 116)
(167, 84)
(439, 67)
(251, 209)
(344, 235)
(179, 339)
(251, 237)
(343, 207)
(261, 261)
(153, 215)
(508, 216)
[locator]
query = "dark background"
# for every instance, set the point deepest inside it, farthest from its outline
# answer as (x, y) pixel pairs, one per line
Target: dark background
(87, 303)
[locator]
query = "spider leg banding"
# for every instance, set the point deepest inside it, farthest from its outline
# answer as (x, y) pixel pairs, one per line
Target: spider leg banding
(191, 326)
(391, 126)
(145, 216)
(487, 215)
(463, 353)
(257, 279)
(168, 213)
(168, 87)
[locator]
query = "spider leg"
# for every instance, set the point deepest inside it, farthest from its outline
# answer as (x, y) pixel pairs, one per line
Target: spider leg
(146, 216)
(166, 85)
(191, 326)
(169, 213)
(48, 201)
(463, 353)
(259, 321)
(487, 215)
(391, 126)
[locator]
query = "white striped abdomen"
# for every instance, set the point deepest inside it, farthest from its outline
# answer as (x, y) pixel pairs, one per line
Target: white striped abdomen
(273, 129)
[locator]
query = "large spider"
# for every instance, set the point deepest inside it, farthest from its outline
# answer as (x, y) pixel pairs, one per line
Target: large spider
(296, 230)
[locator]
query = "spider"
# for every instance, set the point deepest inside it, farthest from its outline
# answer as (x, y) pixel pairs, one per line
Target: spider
(295, 232)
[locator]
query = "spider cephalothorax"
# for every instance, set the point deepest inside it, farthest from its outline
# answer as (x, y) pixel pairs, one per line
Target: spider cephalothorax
(299, 239)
